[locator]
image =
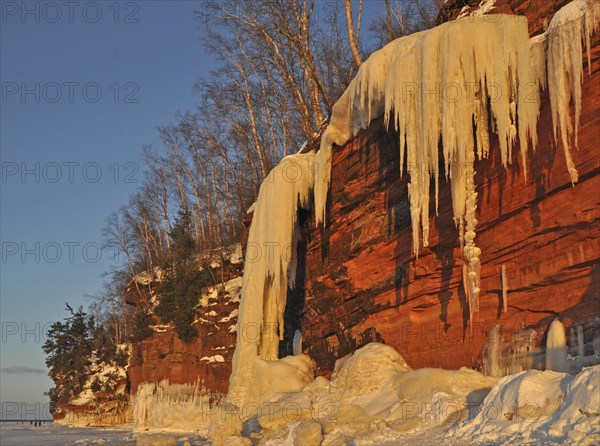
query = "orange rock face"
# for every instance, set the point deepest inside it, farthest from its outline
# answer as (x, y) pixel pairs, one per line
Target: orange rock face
(165, 356)
(360, 282)
(364, 284)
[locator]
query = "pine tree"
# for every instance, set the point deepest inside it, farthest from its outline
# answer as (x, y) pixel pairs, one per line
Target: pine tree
(180, 289)
(68, 349)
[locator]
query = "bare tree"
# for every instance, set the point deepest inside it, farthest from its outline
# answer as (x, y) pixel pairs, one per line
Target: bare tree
(352, 40)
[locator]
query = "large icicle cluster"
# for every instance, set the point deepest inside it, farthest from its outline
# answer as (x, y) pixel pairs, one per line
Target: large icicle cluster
(438, 85)
(448, 85)
(570, 27)
(269, 267)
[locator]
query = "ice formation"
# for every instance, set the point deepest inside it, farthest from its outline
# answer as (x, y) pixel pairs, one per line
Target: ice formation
(504, 289)
(570, 27)
(446, 87)
(458, 71)
(269, 268)
(556, 347)
(170, 407)
(449, 84)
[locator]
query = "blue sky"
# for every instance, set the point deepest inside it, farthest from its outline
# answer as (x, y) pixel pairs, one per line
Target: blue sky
(81, 95)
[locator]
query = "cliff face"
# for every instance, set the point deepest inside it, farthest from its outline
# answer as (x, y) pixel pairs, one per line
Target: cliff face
(358, 280)
(104, 400)
(364, 284)
(107, 409)
(206, 361)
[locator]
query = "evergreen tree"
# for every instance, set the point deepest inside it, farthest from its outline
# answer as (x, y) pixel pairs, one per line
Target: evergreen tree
(180, 289)
(142, 323)
(68, 349)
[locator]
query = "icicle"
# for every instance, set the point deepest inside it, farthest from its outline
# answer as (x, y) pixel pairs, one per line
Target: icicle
(470, 251)
(556, 347)
(482, 71)
(580, 343)
(168, 406)
(504, 289)
(537, 55)
(439, 83)
(269, 265)
(570, 27)
(493, 357)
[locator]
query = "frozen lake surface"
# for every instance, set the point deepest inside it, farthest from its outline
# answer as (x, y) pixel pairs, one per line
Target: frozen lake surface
(50, 434)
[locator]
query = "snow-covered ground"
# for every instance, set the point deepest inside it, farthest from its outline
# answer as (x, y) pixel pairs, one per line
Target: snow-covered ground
(58, 435)
(374, 398)
(53, 434)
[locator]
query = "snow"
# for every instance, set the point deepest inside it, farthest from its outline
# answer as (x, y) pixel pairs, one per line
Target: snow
(53, 434)
(373, 391)
(161, 328)
(525, 395)
(110, 377)
(390, 405)
(583, 395)
(232, 315)
(146, 278)
(484, 8)
(570, 27)
(366, 378)
(536, 407)
(85, 397)
(375, 398)
(214, 358)
(268, 270)
(231, 288)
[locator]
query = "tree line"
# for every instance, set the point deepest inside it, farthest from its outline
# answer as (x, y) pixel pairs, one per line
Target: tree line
(279, 66)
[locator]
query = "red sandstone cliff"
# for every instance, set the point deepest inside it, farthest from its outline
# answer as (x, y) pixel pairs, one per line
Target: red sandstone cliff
(363, 283)
(207, 360)
(359, 281)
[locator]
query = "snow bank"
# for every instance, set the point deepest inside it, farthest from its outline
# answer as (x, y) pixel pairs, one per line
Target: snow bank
(583, 395)
(366, 378)
(525, 395)
(431, 397)
(269, 266)
(374, 398)
(374, 391)
(538, 408)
